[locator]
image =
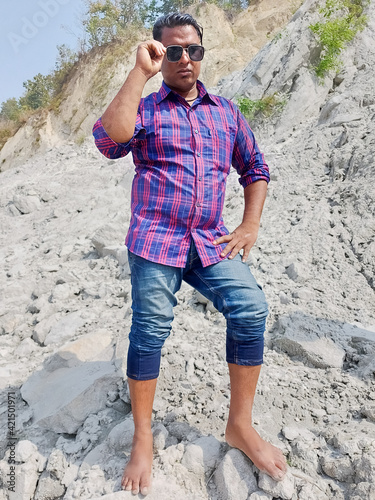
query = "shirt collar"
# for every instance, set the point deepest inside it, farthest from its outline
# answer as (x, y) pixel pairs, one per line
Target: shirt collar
(165, 91)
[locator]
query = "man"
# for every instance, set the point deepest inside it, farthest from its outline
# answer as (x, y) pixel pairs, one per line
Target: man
(183, 142)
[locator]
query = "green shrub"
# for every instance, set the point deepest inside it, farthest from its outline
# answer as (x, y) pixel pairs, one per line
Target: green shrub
(343, 19)
(265, 107)
(38, 92)
(65, 62)
(10, 110)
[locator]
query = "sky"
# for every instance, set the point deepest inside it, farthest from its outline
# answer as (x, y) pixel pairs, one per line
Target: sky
(30, 31)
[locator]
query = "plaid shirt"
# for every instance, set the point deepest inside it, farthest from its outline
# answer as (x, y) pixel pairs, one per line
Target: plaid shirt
(182, 157)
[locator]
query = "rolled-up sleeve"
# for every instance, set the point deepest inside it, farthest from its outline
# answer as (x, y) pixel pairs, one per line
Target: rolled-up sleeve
(112, 149)
(247, 158)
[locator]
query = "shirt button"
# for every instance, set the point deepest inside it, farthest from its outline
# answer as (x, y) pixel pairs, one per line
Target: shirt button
(199, 178)
(198, 204)
(196, 130)
(198, 154)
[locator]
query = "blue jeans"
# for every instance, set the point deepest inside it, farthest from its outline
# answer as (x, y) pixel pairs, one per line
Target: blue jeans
(229, 284)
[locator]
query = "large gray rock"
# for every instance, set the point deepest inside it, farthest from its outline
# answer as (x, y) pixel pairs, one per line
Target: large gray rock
(310, 491)
(26, 481)
(308, 339)
(363, 490)
(75, 382)
(25, 450)
(160, 435)
(234, 477)
(365, 467)
(106, 237)
(43, 328)
(121, 436)
(49, 488)
(29, 464)
(202, 455)
(340, 468)
(26, 203)
(279, 489)
(65, 328)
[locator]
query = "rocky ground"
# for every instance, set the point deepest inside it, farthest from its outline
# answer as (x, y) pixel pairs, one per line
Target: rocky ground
(65, 310)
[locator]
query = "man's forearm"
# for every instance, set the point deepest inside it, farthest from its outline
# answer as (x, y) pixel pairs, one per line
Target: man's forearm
(255, 195)
(245, 235)
(120, 116)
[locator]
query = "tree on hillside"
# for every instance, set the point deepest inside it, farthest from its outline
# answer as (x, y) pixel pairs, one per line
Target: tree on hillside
(64, 63)
(10, 110)
(168, 6)
(102, 22)
(108, 20)
(231, 6)
(38, 92)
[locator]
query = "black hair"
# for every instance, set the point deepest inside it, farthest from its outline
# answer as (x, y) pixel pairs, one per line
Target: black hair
(171, 21)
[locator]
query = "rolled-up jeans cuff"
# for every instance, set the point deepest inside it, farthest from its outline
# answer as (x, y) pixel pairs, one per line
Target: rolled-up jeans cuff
(245, 353)
(143, 366)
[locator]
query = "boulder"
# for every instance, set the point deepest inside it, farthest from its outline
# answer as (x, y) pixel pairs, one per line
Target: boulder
(202, 455)
(234, 477)
(280, 489)
(26, 481)
(106, 237)
(310, 340)
(65, 328)
(121, 436)
(26, 203)
(75, 381)
(340, 468)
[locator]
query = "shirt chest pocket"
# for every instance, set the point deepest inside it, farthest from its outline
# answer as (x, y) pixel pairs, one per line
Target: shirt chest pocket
(218, 147)
(167, 137)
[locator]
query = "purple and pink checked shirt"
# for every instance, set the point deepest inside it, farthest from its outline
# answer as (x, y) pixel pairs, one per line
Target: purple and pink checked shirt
(182, 157)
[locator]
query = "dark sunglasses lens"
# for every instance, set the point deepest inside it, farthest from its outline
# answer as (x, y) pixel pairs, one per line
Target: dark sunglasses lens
(196, 52)
(174, 53)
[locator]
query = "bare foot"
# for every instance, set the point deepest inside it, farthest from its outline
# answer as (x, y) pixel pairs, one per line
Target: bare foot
(137, 473)
(264, 456)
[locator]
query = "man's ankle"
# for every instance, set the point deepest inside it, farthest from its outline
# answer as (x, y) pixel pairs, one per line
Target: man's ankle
(143, 432)
(236, 422)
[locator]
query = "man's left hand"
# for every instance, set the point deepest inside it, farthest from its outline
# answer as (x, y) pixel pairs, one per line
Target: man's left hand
(242, 238)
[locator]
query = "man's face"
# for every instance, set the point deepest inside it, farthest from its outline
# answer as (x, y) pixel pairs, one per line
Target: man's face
(182, 75)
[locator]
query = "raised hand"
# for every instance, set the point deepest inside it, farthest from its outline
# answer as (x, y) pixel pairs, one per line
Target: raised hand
(149, 58)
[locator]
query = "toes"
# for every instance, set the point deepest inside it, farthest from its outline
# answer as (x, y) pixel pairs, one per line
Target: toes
(281, 464)
(135, 488)
(145, 486)
(125, 483)
(278, 475)
(129, 485)
(144, 490)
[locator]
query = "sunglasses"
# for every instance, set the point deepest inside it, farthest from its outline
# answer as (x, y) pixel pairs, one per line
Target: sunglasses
(174, 52)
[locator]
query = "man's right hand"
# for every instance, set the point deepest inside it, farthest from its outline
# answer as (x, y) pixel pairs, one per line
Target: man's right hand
(149, 58)
(120, 117)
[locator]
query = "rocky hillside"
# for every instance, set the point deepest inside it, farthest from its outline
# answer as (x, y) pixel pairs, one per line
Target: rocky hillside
(65, 309)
